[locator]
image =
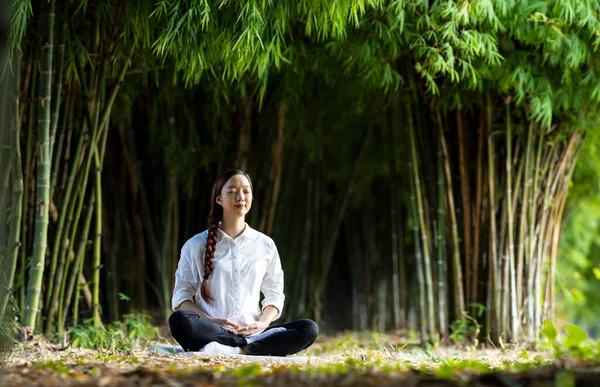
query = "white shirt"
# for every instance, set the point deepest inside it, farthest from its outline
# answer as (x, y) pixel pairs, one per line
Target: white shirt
(244, 267)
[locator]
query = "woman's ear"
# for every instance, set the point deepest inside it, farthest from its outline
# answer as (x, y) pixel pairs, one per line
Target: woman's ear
(219, 200)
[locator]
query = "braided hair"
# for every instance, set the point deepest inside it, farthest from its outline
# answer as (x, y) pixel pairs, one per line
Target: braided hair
(215, 217)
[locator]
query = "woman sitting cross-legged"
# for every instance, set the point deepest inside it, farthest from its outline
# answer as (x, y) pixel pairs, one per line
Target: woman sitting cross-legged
(219, 278)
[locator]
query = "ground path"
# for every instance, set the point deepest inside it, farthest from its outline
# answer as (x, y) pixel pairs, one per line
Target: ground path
(345, 362)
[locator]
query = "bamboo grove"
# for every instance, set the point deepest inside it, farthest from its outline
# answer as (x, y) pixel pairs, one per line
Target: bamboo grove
(412, 160)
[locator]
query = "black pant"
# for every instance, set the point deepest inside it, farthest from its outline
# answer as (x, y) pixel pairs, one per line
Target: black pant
(193, 332)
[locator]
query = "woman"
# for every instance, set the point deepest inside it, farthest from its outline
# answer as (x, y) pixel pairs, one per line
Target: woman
(218, 282)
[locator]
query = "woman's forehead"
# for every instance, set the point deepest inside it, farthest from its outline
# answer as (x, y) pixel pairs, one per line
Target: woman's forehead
(237, 181)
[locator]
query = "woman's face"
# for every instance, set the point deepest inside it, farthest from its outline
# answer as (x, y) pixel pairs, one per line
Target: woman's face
(236, 196)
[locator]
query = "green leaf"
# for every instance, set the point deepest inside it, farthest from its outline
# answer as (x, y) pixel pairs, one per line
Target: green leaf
(575, 336)
(524, 355)
(549, 330)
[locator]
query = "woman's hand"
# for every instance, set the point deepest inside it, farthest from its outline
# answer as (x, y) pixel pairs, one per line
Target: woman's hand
(230, 325)
(253, 329)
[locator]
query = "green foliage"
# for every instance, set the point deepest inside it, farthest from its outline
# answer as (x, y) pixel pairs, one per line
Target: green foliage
(21, 12)
(121, 336)
(467, 328)
(572, 342)
(9, 330)
(578, 264)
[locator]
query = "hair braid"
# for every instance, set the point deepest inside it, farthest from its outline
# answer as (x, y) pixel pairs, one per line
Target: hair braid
(216, 213)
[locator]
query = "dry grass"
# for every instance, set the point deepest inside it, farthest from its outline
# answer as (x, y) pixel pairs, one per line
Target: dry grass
(366, 359)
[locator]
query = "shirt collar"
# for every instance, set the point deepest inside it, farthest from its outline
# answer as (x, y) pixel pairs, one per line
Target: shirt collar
(248, 232)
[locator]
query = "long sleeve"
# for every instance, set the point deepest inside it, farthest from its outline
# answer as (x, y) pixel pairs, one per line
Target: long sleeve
(187, 277)
(272, 284)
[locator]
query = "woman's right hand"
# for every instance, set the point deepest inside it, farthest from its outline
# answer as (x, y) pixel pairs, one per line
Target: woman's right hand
(230, 325)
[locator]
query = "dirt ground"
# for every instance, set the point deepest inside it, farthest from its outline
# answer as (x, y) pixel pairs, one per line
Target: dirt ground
(334, 361)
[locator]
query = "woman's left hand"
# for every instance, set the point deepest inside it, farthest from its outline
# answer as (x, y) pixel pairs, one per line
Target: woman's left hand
(253, 329)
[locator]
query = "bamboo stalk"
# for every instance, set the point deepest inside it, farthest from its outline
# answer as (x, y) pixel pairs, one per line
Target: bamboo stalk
(166, 248)
(97, 125)
(556, 225)
(97, 263)
(44, 169)
(466, 202)
(523, 217)
(93, 121)
(400, 221)
(27, 179)
(441, 261)
(26, 85)
(66, 257)
(553, 254)
(546, 200)
(394, 229)
(69, 131)
(175, 237)
(478, 205)
(56, 100)
(509, 204)
(531, 299)
(545, 256)
(334, 227)
(302, 280)
(494, 280)
(61, 220)
(17, 200)
(424, 231)
(64, 136)
(355, 272)
(459, 297)
(55, 277)
(418, 257)
(276, 166)
(79, 257)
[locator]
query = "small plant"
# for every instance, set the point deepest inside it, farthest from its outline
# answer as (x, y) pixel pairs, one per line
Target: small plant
(120, 336)
(9, 328)
(467, 328)
(574, 342)
(139, 326)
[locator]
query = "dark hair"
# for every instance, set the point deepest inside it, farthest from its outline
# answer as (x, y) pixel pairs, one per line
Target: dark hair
(216, 215)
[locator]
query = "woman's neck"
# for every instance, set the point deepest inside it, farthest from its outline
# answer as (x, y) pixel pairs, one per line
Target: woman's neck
(233, 226)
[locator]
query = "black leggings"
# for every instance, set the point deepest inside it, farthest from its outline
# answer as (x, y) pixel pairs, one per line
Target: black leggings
(193, 332)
